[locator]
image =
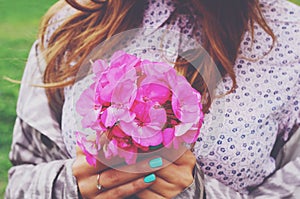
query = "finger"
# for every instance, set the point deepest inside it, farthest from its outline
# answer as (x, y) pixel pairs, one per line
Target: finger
(169, 173)
(101, 162)
(182, 176)
(146, 194)
(181, 156)
(88, 187)
(165, 189)
(109, 179)
(118, 176)
(81, 164)
(128, 189)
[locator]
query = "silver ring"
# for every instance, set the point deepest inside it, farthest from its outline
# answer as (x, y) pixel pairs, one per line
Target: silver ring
(99, 186)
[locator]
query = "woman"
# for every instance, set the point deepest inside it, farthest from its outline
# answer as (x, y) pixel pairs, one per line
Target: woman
(255, 46)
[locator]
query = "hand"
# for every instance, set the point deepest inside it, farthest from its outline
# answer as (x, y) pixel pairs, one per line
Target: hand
(173, 179)
(121, 183)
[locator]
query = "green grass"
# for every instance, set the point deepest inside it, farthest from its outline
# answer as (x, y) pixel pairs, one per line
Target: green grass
(296, 1)
(18, 29)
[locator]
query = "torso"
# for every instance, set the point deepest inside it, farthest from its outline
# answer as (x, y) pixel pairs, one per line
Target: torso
(241, 128)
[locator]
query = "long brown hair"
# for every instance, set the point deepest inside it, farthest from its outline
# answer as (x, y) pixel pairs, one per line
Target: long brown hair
(223, 23)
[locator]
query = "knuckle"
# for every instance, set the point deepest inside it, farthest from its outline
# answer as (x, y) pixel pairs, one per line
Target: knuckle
(83, 191)
(120, 192)
(76, 168)
(111, 177)
(189, 180)
(186, 180)
(117, 192)
(79, 166)
(136, 185)
(171, 194)
(191, 158)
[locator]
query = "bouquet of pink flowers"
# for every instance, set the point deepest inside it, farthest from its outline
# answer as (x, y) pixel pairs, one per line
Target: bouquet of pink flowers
(137, 104)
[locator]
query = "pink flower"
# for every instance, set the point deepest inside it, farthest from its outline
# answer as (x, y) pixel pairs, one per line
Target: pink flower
(121, 58)
(122, 145)
(89, 147)
(137, 104)
(120, 70)
(159, 70)
(146, 129)
(185, 102)
(171, 140)
(99, 68)
(155, 92)
(121, 101)
(89, 109)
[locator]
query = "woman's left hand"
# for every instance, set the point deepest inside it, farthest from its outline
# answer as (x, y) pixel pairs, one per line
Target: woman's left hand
(172, 179)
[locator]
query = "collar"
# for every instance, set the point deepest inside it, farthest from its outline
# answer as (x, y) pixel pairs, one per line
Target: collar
(157, 13)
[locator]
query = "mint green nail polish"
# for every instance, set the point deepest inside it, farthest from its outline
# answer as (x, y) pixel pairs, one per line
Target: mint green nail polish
(150, 178)
(157, 162)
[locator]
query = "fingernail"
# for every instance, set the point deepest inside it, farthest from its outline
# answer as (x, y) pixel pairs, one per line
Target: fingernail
(156, 147)
(156, 162)
(150, 178)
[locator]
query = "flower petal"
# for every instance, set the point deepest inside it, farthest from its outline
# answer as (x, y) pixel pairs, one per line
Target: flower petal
(89, 147)
(148, 136)
(111, 149)
(113, 114)
(191, 135)
(120, 57)
(182, 128)
(158, 117)
(124, 93)
(168, 137)
(99, 66)
(130, 155)
(155, 92)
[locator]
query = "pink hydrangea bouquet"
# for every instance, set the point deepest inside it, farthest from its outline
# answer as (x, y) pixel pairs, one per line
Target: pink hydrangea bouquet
(137, 104)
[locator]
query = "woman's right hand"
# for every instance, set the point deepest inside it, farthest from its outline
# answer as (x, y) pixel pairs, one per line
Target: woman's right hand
(115, 183)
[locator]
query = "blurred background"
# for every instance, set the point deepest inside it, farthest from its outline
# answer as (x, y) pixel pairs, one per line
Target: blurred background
(19, 21)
